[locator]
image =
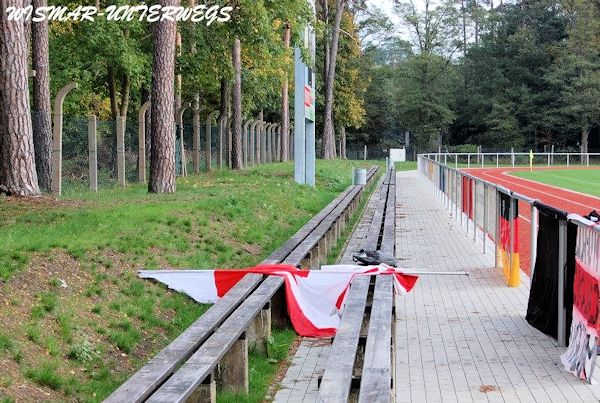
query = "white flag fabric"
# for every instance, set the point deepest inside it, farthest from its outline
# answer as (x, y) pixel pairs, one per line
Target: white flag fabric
(315, 298)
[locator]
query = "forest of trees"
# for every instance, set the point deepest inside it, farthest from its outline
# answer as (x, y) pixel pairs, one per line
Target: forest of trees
(508, 74)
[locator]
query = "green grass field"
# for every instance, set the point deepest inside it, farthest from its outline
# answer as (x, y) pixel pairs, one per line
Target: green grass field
(580, 180)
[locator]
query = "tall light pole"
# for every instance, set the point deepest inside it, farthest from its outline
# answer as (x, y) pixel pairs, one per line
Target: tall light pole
(304, 111)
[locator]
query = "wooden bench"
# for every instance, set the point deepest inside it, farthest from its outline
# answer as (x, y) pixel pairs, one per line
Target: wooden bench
(360, 365)
(214, 349)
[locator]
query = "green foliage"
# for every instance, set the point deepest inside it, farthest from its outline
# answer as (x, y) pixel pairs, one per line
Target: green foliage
(6, 343)
(45, 375)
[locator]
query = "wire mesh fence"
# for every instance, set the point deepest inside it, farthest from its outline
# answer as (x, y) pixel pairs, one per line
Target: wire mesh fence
(96, 165)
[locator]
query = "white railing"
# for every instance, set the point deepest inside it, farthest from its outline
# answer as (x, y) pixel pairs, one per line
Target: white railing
(483, 160)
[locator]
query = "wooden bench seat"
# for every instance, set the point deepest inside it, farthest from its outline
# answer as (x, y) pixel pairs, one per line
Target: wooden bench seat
(375, 383)
(366, 374)
(337, 378)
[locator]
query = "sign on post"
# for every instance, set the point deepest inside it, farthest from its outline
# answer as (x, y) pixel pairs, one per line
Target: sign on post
(304, 111)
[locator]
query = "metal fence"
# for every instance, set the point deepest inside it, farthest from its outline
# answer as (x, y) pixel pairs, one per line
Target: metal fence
(512, 159)
(106, 153)
(482, 208)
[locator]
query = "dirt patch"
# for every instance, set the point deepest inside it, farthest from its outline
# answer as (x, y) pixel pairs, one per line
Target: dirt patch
(488, 388)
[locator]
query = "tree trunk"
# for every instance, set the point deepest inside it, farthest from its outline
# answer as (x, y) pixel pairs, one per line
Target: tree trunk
(41, 116)
(328, 130)
(18, 176)
(585, 132)
(285, 104)
(237, 161)
(162, 164)
(125, 89)
(464, 26)
(476, 19)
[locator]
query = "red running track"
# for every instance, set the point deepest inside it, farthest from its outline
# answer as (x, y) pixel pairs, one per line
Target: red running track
(566, 200)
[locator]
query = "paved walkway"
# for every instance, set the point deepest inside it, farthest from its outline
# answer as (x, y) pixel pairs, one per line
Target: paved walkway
(466, 338)
(458, 339)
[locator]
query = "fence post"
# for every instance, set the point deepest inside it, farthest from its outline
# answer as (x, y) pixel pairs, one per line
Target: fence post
(252, 151)
(482, 160)
(511, 234)
(456, 161)
(533, 240)
(246, 141)
(485, 214)
(468, 160)
(497, 160)
(365, 153)
(562, 262)
(263, 143)
(208, 128)
(57, 138)
(278, 144)
(142, 142)
(92, 153)
(221, 134)
(512, 153)
(121, 150)
(457, 193)
(179, 122)
(567, 159)
(259, 131)
(497, 235)
(270, 142)
(196, 147)
(474, 211)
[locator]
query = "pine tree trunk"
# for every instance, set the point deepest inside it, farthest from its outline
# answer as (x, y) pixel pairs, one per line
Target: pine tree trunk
(162, 164)
(41, 116)
(285, 105)
(18, 175)
(237, 161)
(328, 129)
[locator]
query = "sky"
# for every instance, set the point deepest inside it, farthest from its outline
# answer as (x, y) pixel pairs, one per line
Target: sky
(387, 6)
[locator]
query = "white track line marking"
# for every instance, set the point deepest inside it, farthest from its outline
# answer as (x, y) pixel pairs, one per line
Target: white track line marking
(542, 192)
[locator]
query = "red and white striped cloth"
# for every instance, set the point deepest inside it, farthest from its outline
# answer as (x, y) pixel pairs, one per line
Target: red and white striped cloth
(315, 298)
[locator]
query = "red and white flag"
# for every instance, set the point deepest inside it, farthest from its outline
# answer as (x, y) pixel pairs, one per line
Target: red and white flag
(315, 298)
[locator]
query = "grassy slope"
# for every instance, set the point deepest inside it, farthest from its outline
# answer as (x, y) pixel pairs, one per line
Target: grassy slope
(580, 180)
(75, 319)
